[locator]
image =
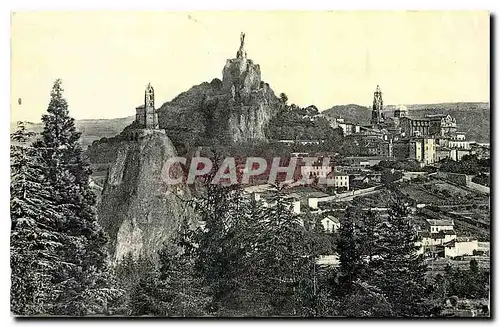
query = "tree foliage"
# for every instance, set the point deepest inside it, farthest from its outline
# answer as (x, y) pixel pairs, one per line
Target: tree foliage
(53, 216)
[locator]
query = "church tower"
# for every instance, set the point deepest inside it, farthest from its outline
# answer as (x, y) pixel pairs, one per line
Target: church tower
(377, 107)
(146, 115)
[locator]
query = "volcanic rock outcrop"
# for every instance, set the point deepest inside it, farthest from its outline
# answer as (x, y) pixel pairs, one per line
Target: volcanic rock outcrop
(236, 109)
(138, 210)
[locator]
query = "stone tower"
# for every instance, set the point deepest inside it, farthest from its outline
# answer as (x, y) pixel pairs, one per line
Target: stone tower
(146, 115)
(378, 103)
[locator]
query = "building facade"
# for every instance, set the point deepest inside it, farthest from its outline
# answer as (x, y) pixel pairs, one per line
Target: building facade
(411, 127)
(421, 149)
(341, 179)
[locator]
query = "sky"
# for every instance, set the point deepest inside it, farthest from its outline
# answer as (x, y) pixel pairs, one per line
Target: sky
(106, 59)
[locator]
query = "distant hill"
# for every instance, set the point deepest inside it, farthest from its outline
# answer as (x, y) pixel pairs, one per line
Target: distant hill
(91, 129)
(472, 118)
(350, 112)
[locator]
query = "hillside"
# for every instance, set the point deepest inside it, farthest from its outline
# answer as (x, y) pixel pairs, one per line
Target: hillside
(91, 129)
(472, 117)
(350, 112)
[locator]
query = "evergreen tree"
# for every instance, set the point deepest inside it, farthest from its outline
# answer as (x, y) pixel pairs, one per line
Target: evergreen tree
(365, 300)
(83, 280)
(316, 243)
(182, 288)
(285, 266)
(172, 287)
(350, 252)
(215, 257)
(34, 237)
(471, 283)
(221, 247)
(147, 295)
(402, 275)
(358, 251)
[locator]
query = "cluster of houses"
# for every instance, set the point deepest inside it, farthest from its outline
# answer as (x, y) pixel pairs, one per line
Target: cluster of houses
(427, 139)
(301, 200)
(436, 239)
(440, 240)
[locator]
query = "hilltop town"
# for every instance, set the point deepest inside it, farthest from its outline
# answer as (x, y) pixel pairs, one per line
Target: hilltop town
(408, 204)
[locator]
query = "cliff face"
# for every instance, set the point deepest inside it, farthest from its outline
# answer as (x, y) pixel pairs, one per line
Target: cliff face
(137, 209)
(236, 109)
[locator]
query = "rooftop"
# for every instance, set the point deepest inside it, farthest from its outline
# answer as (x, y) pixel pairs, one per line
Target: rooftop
(440, 222)
(436, 116)
(304, 191)
(332, 218)
(465, 239)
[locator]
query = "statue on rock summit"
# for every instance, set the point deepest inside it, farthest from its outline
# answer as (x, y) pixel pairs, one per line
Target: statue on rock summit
(241, 54)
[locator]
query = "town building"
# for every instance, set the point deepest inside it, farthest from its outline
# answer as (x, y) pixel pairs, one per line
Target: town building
(459, 136)
(331, 224)
(315, 169)
(430, 125)
(442, 125)
(399, 113)
(302, 142)
(347, 128)
(363, 162)
(437, 225)
(411, 127)
(341, 179)
(460, 144)
(460, 246)
(441, 239)
(421, 149)
(443, 153)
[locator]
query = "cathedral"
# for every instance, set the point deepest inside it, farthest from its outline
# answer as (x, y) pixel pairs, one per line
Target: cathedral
(146, 116)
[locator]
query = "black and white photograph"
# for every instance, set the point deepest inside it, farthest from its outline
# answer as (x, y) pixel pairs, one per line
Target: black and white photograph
(250, 164)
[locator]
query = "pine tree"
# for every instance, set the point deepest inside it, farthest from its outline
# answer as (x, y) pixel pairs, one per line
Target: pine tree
(317, 294)
(366, 300)
(147, 296)
(83, 281)
(402, 275)
(219, 246)
(214, 257)
(182, 288)
(350, 253)
(284, 263)
(171, 287)
(360, 260)
(34, 236)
